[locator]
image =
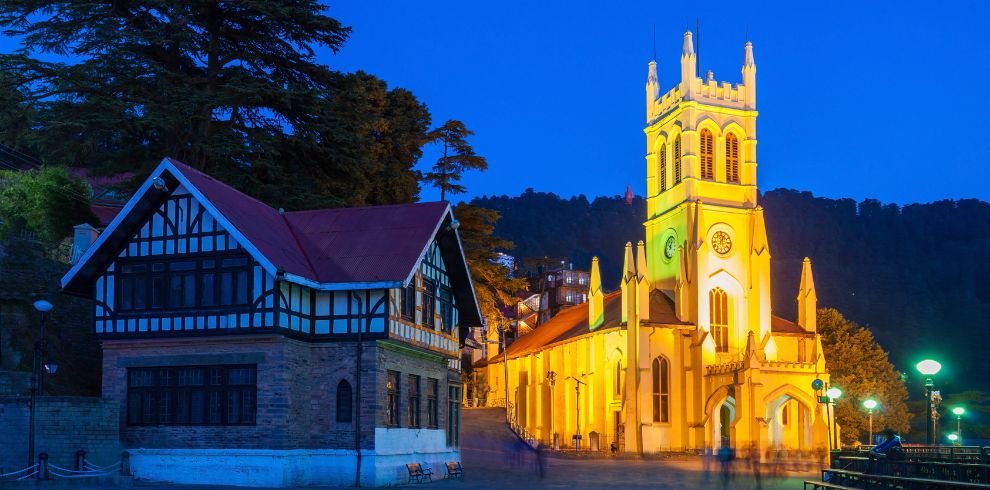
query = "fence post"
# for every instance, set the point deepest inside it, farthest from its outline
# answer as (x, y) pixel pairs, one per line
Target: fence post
(43, 466)
(125, 464)
(81, 460)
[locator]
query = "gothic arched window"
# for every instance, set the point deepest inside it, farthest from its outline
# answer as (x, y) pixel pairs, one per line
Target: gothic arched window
(732, 158)
(718, 304)
(661, 390)
(663, 167)
(677, 160)
(618, 379)
(707, 155)
(345, 403)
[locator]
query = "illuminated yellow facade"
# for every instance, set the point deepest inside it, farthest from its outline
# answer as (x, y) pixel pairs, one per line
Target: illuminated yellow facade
(710, 364)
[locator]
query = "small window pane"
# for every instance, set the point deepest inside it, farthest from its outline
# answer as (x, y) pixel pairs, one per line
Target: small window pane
(206, 295)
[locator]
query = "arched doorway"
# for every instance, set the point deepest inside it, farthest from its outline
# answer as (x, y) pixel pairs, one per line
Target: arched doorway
(789, 423)
(723, 418)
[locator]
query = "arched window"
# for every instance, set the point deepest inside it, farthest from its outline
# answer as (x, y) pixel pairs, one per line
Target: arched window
(345, 403)
(718, 304)
(618, 379)
(663, 167)
(661, 390)
(732, 159)
(707, 155)
(677, 160)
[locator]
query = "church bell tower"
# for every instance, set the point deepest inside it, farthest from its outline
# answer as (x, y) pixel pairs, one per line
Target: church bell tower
(705, 236)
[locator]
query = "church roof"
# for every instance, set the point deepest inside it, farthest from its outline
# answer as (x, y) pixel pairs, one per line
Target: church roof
(573, 322)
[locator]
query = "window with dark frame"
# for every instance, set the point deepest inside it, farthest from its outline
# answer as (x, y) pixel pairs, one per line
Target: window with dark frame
(192, 395)
(429, 303)
(432, 407)
(453, 415)
(413, 390)
(345, 401)
(183, 283)
(392, 399)
(408, 301)
(446, 301)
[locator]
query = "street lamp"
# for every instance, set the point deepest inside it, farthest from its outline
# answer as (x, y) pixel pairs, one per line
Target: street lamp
(870, 404)
(953, 438)
(833, 394)
(577, 409)
(958, 412)
(37, 373)
(930, 368)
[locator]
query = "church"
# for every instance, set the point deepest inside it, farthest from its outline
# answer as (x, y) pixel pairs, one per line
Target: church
(687, 354)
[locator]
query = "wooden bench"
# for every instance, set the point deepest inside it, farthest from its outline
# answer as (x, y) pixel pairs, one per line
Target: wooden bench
(815, 485)
(455, 470)
(416, 473)
(881, 482)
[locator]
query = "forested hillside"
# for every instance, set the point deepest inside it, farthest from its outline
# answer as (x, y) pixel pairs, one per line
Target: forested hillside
(911, 273)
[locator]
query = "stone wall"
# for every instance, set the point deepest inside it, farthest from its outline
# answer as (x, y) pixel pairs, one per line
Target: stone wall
(63, 426)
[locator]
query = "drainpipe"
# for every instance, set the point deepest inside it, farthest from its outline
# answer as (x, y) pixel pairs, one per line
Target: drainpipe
(357, 413)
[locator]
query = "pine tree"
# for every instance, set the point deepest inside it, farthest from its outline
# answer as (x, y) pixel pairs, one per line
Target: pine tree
(859, 366)
(458, 156)
(494, 285)
(211, 83)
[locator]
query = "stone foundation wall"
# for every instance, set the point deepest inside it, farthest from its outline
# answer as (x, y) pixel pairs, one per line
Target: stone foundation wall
(64, 425)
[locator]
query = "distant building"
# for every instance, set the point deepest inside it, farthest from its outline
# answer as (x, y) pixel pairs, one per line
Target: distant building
(688, 354)
(249, 346)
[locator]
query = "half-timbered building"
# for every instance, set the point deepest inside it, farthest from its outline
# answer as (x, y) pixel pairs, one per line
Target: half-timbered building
(252, 346)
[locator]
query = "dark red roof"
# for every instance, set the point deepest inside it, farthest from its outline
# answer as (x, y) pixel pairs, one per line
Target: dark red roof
(381, 243)
(780, 325)
(105, 214)
(347, 245)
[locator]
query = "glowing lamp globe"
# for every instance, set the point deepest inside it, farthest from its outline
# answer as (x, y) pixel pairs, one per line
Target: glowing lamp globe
(959, 410)
(870, 404)
(953, 437)
(929, 367)
(42, 306)
(833, 393)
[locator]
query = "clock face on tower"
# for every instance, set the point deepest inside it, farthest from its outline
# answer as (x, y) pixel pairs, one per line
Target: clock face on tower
(721, 242)
(670, 247)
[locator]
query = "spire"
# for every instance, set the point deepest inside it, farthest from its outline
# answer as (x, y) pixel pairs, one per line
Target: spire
(760, 242)
(628, 279)
(596, 300)
(652, 90)
(749, 76)
(688, 66)
(643, 287)
(807, 299)
(629, 195)
(688, 48)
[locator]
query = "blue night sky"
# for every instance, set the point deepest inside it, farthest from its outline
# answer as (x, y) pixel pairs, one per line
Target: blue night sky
(856, 99)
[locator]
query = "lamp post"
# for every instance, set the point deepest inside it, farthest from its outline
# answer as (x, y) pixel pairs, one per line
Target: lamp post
(38, 366)
(958, 412)
(833, 394)
(870, 404)
(577, 410)
(929, 369)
